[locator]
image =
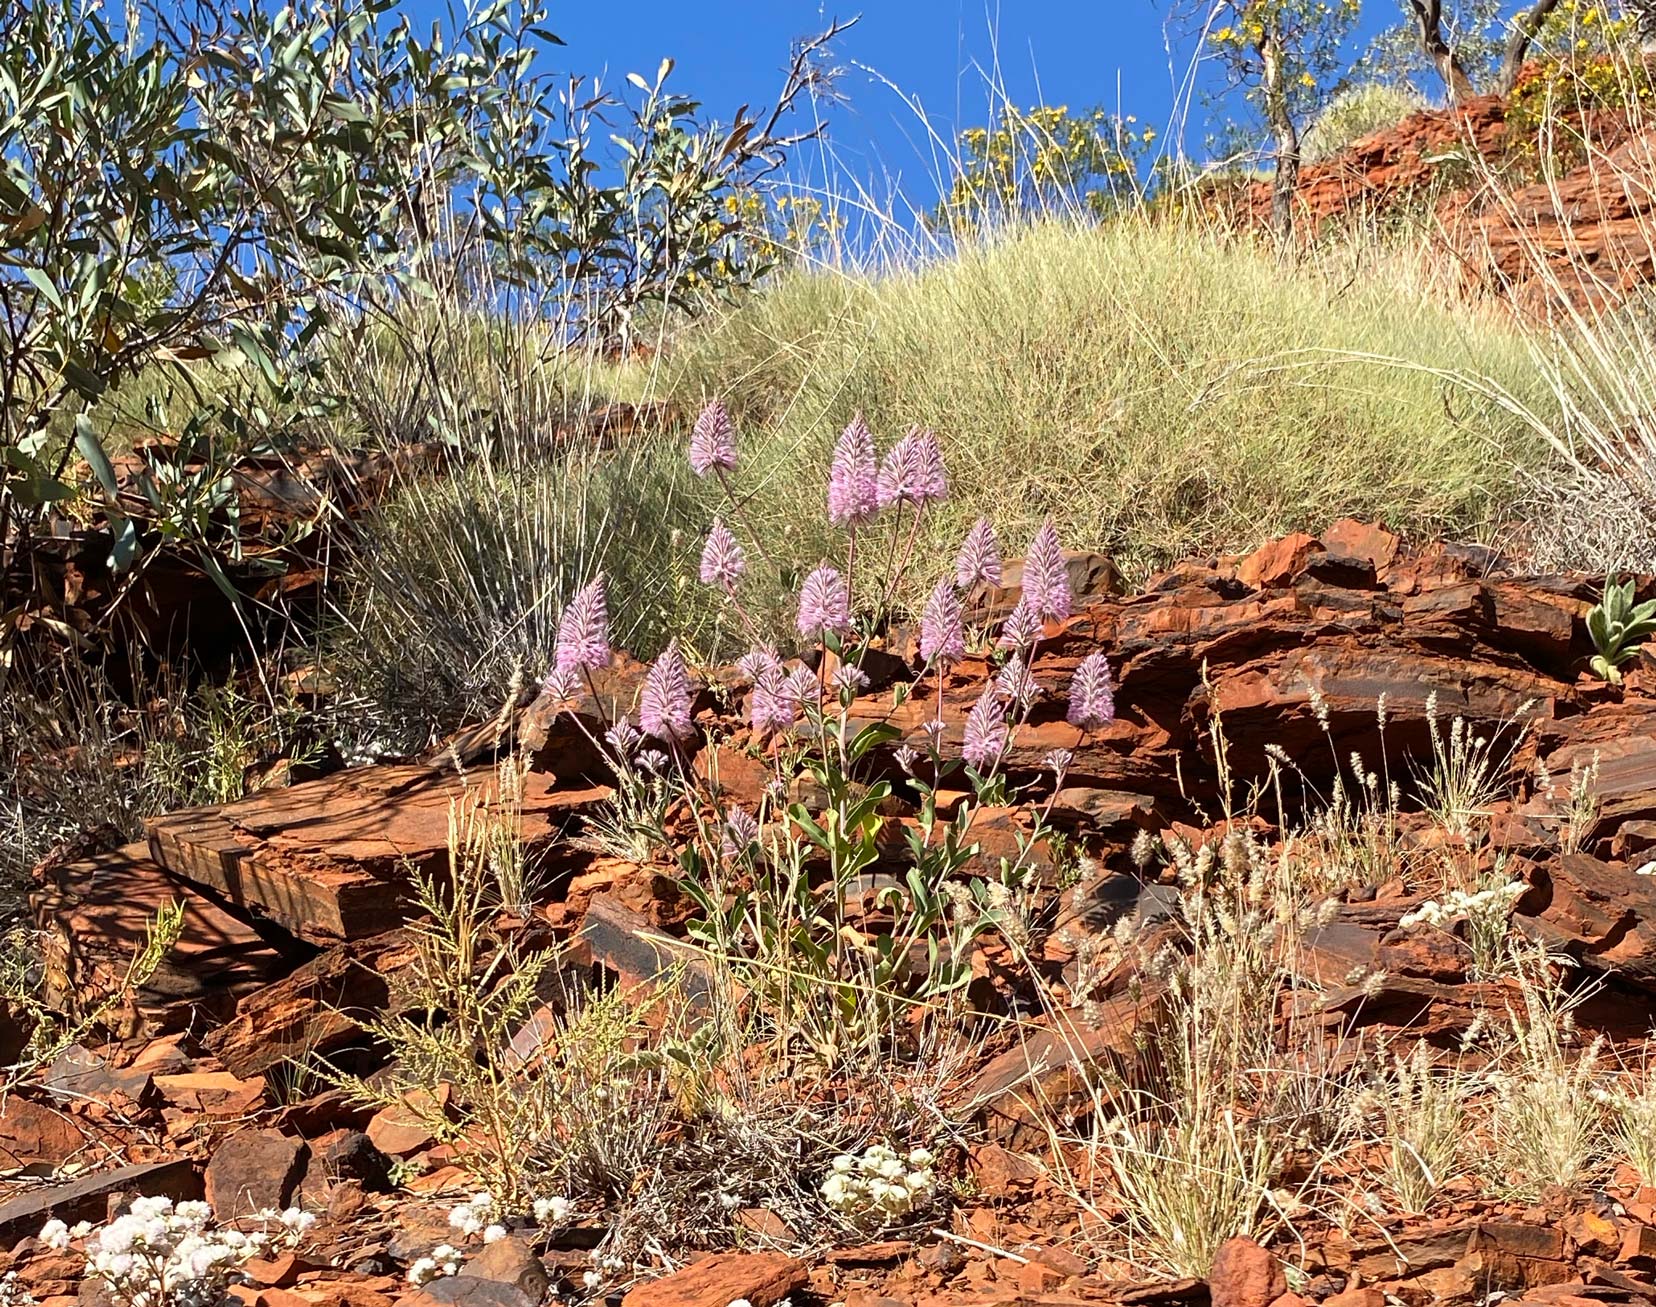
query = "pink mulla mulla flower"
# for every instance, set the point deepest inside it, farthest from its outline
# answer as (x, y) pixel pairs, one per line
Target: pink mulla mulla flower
(801, 687)
(852, 477)
(824, 604)
(561, 685)
(770, 708)
(942, 639)
(985, 732)
(664, 707)
(624, 738)
(1021, 627)
(1045, 576)
(713, 441)
(1016, 684)
(848, 676)
(583, 630)
(722, 562)
(900, 472)
(979, 558)
(741, 831)
(931, 482)
(755, 662)
(1092, 693)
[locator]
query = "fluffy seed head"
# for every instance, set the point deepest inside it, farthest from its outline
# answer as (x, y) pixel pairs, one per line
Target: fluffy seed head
(941, 636)
(664, 707)
(1045, 578)
(583, 630)
(713, 441)
(852, 478)
(985, 734)
(722, 562)
(824, 604)
(1092, 693)
(979, 558)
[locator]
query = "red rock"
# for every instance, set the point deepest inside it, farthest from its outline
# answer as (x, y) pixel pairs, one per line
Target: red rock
(310, 1012)
(31, 1132)
(401, 1131)
(1277, 563)
(1245, 1275)
(328, 859)
(1362, 1296)
(95, 913)
(764, 1279)
(253, 1170)
(87, 1197)
(511, 1261)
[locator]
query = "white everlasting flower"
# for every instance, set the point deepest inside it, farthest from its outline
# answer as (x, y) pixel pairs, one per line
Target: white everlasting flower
(493, 1233)
(55, 1234)
(553, 1211)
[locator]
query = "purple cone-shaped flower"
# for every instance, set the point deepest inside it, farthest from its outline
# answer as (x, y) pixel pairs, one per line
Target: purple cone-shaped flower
(583, 630)
(770, 708)
(1021, 627)
(624, 738)
(1092, 693)
(941, 637)
(931, 481)
(741, 829)
(848, 676)
(664, 707)
(801, 686)
(979, 558)
(757, 661)
(824, 604)
(1045, 577)
(851, 479)
(1016, 684)
(561, 685)
(912, 470)
(713, 441)
(722, 562)
(985, 732)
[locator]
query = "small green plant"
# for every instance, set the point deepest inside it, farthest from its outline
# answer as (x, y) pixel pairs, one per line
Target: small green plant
(51, 1031)
(571, 1112)
(1619, 628)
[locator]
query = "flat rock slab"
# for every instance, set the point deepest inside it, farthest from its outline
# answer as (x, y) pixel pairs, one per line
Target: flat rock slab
(96, 913)
(86, 1198)
(328, 859)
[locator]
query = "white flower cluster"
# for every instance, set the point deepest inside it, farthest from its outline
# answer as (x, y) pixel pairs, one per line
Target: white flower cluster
(161, 1255)
(443, 1260)
(1490, 905)
(881, 1186)
(12, 1292)
(479, 1215)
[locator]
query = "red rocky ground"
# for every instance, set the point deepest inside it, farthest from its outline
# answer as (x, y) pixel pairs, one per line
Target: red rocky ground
(294, 911)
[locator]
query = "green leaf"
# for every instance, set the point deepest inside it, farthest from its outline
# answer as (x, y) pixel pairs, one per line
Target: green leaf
(92, 450)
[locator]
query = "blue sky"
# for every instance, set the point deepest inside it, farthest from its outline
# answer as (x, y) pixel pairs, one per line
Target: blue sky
(1075, 52)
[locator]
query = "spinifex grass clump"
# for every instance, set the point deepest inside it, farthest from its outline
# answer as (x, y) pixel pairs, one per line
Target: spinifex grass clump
(775, 887)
